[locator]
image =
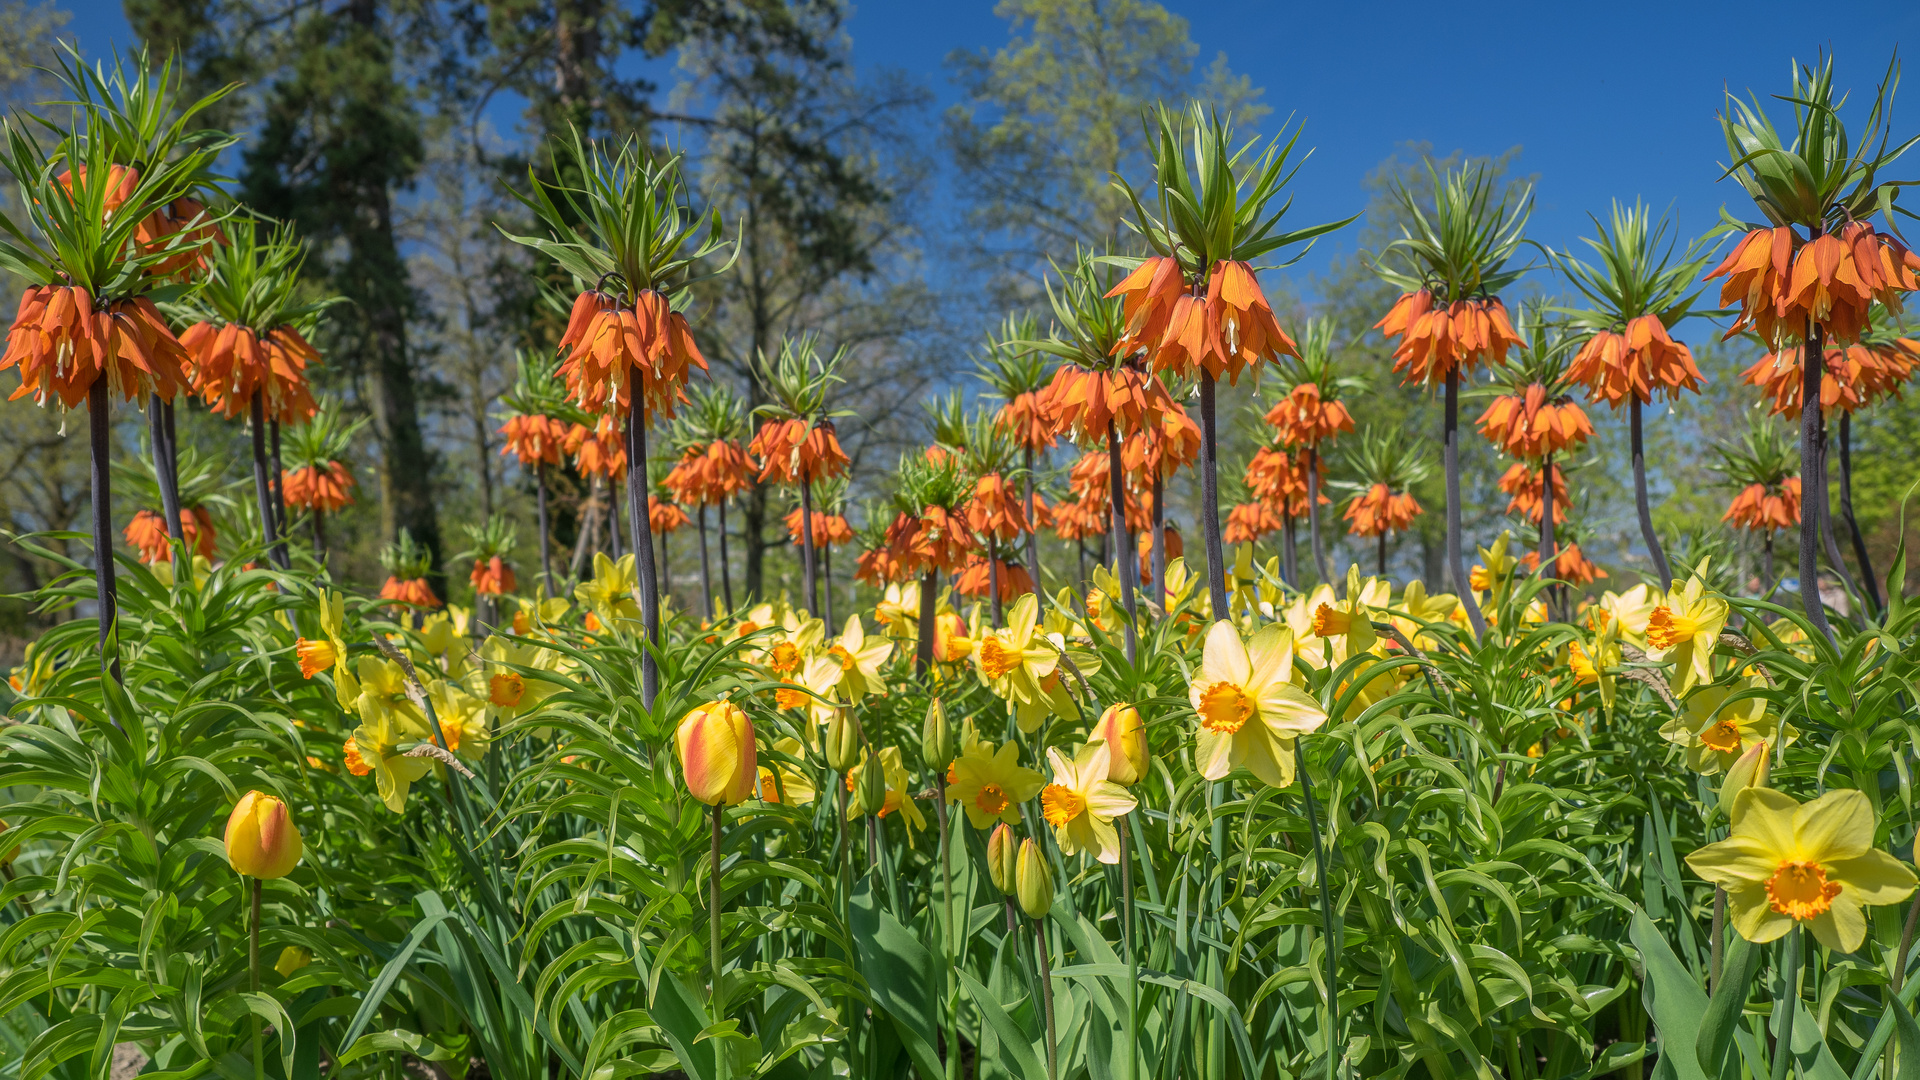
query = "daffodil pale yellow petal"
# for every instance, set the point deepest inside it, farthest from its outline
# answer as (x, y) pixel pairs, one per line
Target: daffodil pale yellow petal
(1842, 927)
(1212, 754)
(1223, 659)
(1834, 827)
(1875, 878)
(1287, 711)
(1752, 918)
(1270, 760)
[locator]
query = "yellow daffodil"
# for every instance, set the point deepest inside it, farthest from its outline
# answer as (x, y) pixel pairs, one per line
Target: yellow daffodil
(32, 677)
(1105, 607)
(1716, 734)
(898, 611)
(1787, 864)
(609, 593)
(1250, 711)
(1298, 617)
(991, 784)
(1496, 566)
(506, 680)
(1081, 803)
(782, 782)
(1352, 621)
(816, 690)
(789, 647)
(463, 719)
(329, 651)
(1591, 664)
(1685, 630)
(1059, 620)
(376, 747)
(860, 658)
(760, 616)
(1631, 609)
(897, 799)
(1422, 609)
(1021, 668)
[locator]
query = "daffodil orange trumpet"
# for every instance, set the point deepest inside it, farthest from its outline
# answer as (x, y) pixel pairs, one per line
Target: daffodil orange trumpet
(608, 345)
(1378, 510)
(792, 451)
(61, 343)
(231, 363)
(1530, 426)
(1757, 506)
(1634, 364)
(318, 487)
(1438, 340)
(147, 534)
(534, 439)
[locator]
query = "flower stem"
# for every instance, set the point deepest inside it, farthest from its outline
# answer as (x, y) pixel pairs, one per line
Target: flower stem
(1210, 499)
(706, 574)
(546, 542)
(1450, 455)
(1313, 514)
(806, 543)
(641, 530)
(923, 649)
(1868, 580)
(1033, 529)
(715, 957)
(100, 431)
(1123, 557)
(948, 938)
(1789, 997)
(1046, 998)
(253, 972)
(1813, 477)
(726, 576)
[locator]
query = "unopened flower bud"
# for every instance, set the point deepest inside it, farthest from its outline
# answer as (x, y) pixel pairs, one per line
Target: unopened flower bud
(1002, 855)
(843, 741)
(717, 754)
(262, 841)
(937, 744)
(1033, 882)
(1750, 770)
(1121, 728)
(870, 785)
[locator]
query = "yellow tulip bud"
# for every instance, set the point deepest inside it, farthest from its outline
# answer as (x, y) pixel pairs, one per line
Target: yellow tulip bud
(715, 743)
(262, 841)
(1750, 770)
(843, 742)
(1002, 856)
(937, 747)
(1121, 728)
(1033, 882)
(292, 959)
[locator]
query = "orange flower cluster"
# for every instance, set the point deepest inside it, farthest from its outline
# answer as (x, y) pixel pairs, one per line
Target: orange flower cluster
(1378, 511)
(1165, 451)
(535, 439)
(1302, 419)
(155, 231)
(231, 362)
(312, 487)
(1081, 402)
(875, 567)
(997, 510)
(1757, 507)
(1435, 341)
(1094, 495)
(608, 345)
(1780, 282)
(976, 579)
(664, 517)
(492, 577)
(61, 343)
(410, 591)
(1569, 565)
(1226, 332)
(1521, 483)
(709, 474)
(1851, 379)
(1143, 540)
(1281, 482)
(829, 530)
(789, 451)
(147, 534)
(1249, 522)
(1029, 419)
(1078, 521)
(1530, 426)
(598, 450)
(1637, 363)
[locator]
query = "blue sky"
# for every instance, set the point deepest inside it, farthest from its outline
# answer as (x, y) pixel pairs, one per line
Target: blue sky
(1605, 100)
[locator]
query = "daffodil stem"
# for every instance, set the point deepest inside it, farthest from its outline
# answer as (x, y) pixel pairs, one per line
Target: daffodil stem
(1899, 973)
(253, 970)
(1326, 907)
(1813, 476)
(1450, 456)
(1719, 932)
(1789, 996)
(715, 957)
(1133, 967)
(1046, 997)
(947, 936)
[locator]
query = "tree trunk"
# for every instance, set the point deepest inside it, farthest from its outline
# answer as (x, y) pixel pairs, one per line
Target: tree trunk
(1869, 579)
(1210, 500)
(643, 541)
(1450, 444)
(1125, 561)
(1813, 476)
(100, 433)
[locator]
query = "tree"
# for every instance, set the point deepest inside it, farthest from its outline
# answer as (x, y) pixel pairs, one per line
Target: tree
(1053, 115)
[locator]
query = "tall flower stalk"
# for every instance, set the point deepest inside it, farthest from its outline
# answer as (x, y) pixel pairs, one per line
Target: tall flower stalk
(102, 232)
(1310, 412)
(1195, 307)
(622, 225)
(796, 443)
(1019, 374)
(1637, 291)
(535, 432)
(1451, 263)
(712, 468)
(1386, 467)
(1813, 271)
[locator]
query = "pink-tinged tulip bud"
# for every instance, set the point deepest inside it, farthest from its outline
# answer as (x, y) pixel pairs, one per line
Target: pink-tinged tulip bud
(1002, 854)
(1750, 770)
(1033, 882)
(1121, 728)
(262, 841)
(715, 742)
